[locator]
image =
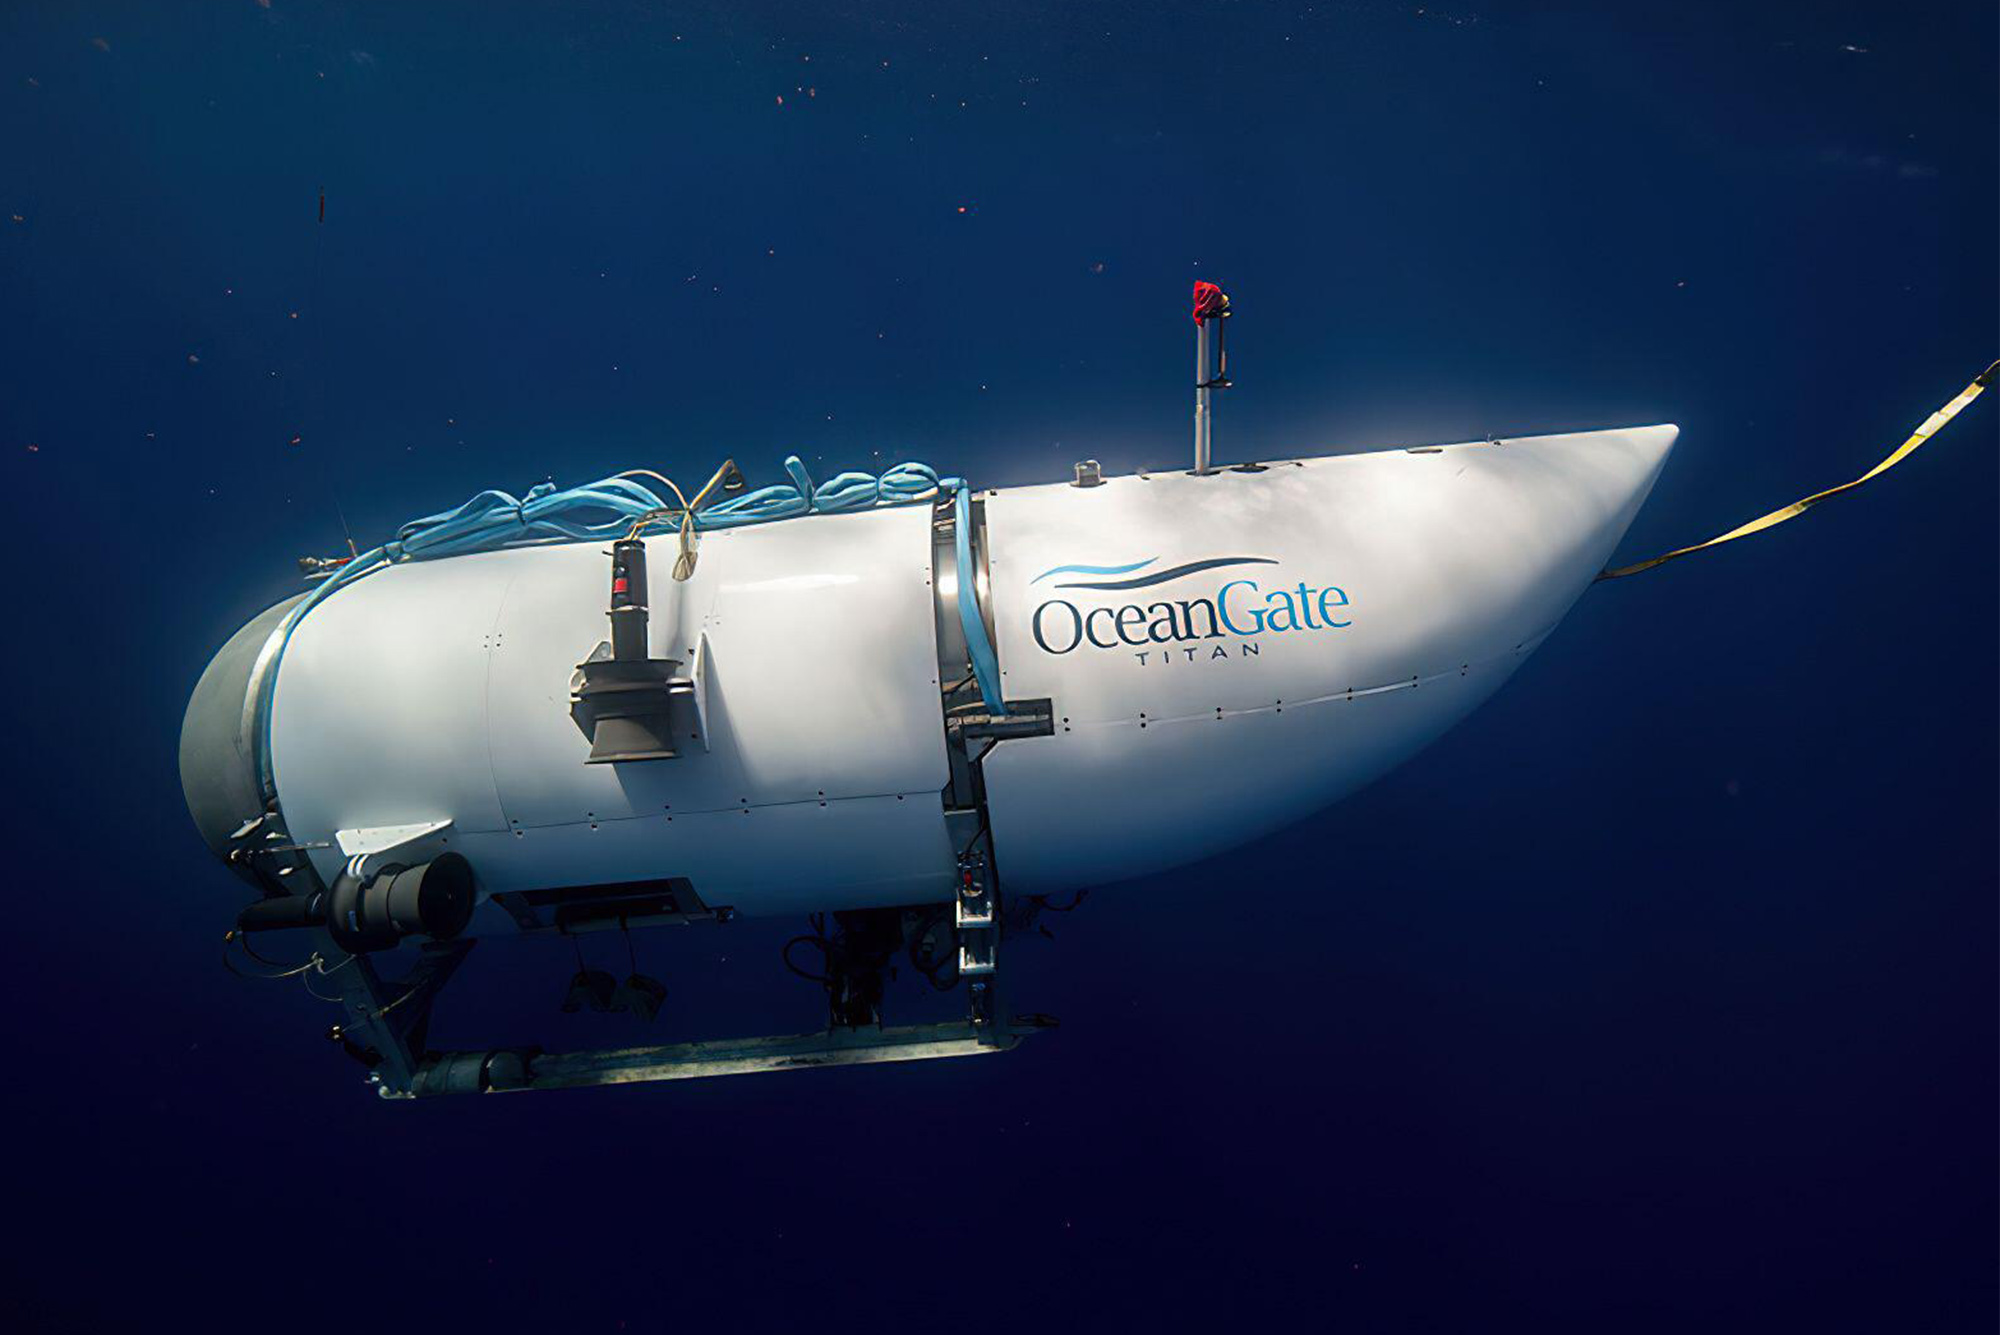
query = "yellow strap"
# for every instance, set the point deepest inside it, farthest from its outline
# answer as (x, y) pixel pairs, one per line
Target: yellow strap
(1931, 426)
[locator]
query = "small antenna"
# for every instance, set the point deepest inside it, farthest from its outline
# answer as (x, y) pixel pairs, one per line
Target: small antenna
(1211, 369)
(310, 364)
(353, 552)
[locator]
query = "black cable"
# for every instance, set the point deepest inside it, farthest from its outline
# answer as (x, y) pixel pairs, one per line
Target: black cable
(937, 967)
(825, 947)
(243, 941)
(977, 835)
(286, 970)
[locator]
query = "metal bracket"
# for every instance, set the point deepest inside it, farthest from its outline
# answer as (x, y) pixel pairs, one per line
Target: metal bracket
(976, 915)
(387, 1023)
(625, 906)
(384, 838)
(1024, 718)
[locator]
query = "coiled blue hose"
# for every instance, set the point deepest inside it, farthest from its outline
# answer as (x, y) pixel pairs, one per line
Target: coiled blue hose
(610, 508)
(901, 485)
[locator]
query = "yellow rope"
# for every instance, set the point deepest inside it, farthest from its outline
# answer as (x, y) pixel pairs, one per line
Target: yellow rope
(1932, 424)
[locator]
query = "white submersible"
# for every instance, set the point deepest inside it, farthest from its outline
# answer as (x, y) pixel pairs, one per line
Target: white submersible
(922, 711)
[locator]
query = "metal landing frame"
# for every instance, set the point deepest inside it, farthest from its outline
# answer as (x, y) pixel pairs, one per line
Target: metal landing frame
(388, 1021)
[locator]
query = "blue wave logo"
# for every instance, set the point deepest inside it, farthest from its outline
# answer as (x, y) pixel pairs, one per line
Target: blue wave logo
(1094, 570)
(1145, 581)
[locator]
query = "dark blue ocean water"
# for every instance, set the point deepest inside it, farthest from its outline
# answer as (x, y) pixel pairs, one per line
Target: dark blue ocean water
(1659, 996)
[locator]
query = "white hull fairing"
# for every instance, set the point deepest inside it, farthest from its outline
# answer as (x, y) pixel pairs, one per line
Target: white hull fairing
(1223, 655)
(1337, 615)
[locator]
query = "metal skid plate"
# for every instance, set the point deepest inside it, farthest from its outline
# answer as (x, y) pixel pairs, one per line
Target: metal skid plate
(504, 1071)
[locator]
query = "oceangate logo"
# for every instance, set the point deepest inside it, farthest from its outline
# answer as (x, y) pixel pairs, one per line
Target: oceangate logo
(1167, 630)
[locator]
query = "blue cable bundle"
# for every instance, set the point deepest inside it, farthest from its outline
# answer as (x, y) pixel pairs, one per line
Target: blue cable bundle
(493, 519)
(902, 485)
(610, 508)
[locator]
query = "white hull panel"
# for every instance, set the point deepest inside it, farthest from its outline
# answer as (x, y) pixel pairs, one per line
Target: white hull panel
(440, 691)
